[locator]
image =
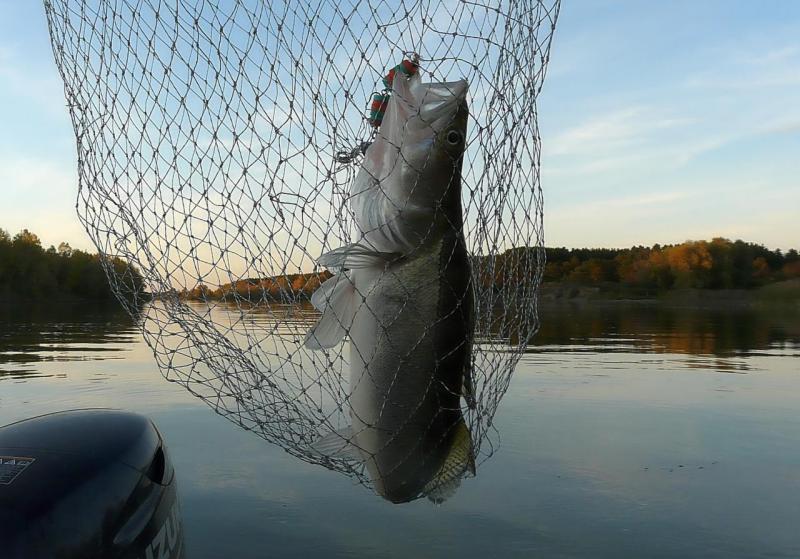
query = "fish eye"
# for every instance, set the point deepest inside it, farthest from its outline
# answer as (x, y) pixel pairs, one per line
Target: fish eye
(454, 137)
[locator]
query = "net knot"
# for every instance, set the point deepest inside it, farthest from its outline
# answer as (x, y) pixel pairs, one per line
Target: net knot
(348, 156)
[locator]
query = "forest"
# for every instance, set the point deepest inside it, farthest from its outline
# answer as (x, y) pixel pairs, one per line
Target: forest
(716, 264)
(29, 272)
(286, 288)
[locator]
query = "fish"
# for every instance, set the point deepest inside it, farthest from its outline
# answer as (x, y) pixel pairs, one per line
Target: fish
(403, 294)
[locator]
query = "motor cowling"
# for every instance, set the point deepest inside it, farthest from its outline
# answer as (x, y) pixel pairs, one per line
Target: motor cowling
(87, 484)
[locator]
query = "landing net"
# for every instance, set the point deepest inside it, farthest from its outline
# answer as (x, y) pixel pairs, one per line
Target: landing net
(217, 145)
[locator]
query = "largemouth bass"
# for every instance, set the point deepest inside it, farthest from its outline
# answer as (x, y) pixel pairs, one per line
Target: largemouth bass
(403, 293)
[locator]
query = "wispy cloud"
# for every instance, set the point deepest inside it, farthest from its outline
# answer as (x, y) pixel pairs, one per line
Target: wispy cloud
(726, 80)
(757, 208)
(23, 175)
(783, 125)
(624, 204)
(650, 152)
(611, 132)
(777, 55)
(750, 67)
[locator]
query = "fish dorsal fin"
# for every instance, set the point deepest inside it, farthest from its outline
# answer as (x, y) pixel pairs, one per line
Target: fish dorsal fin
(460, 460)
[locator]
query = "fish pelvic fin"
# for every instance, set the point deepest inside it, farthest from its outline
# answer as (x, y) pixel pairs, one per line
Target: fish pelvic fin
(337, 299)
(459, 462)
(338, 444)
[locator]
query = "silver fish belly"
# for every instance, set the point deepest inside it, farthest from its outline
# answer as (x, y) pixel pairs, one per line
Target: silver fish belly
(404, 296)
(417, 322)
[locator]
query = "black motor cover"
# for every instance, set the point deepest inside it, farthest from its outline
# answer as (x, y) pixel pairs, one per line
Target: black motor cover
(87, 484)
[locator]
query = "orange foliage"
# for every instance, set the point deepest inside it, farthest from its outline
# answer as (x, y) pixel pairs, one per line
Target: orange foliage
(688, 262)
(791, 270)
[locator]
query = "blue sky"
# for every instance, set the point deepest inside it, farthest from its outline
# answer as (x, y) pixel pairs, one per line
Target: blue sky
(661, 122)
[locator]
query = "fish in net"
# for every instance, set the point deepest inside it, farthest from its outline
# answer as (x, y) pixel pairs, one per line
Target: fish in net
(341, 259)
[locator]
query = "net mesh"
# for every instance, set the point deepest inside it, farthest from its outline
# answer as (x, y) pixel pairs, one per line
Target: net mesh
(218, 143)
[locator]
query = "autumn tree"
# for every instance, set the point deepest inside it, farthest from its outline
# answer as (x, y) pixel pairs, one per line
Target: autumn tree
(690, 264)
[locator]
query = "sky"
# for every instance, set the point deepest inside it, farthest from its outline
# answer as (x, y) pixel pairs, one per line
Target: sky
(660, 121)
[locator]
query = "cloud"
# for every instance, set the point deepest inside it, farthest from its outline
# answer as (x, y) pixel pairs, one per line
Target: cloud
(626, 140)
(765, 79)
(624, 204)
(647, 155)
(782, 125)
(750, 67)
(680, 209)
(669, 126)
(606, 133)
(777, 55)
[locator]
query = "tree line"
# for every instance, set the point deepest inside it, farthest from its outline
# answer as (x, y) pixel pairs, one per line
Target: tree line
(29, 271)
(716, 264)
(286, 288)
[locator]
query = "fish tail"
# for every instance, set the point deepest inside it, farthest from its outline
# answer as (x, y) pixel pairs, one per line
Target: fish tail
(459, 462)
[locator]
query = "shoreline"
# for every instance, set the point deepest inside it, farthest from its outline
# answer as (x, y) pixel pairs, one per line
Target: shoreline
(784, 295)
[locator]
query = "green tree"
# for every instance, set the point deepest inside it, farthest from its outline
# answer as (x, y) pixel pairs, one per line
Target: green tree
(29, 271)
(26, 237)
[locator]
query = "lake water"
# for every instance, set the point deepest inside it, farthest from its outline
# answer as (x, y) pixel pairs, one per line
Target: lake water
(628, 431)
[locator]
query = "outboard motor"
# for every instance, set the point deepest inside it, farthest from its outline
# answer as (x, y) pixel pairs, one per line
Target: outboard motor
(87, 484)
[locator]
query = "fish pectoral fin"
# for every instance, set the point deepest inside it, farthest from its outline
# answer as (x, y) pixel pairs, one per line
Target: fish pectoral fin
(338, 444)
(356, 256)
(460, 461)
(337, 299)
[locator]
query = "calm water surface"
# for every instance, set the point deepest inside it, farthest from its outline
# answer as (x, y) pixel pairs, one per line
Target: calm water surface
(627, 432)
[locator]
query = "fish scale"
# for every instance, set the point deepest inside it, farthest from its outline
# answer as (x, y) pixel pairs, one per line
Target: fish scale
(405, 400)
(404, 295)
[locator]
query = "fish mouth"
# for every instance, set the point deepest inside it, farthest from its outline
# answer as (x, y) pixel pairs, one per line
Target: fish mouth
(441, 102)
(445, 91)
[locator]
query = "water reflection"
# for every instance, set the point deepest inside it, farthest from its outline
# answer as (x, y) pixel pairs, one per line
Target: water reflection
(595, 428)
(660, 329)
(41, 333)
(31, 334)
(399, 427)
(595, 339)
